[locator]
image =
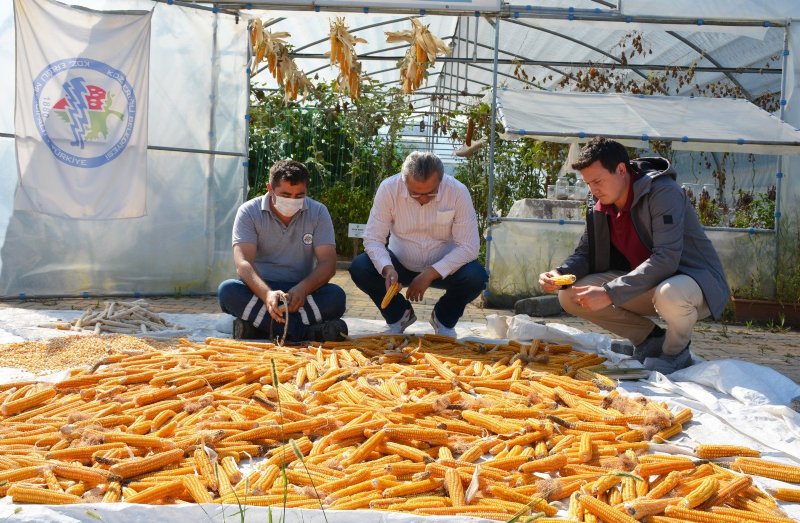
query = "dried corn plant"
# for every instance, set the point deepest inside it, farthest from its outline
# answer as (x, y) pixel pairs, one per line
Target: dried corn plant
(271, 47)
(343, 52)
(422, 52)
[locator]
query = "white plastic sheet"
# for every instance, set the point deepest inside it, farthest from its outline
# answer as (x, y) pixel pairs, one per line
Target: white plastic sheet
(728, 408)
(689, 123)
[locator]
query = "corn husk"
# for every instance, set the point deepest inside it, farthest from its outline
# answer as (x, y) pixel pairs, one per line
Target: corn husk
(271, 47)
(343, 53)
(423, 49)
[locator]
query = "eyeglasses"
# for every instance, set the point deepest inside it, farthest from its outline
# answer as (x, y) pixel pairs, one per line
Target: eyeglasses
(417, 196)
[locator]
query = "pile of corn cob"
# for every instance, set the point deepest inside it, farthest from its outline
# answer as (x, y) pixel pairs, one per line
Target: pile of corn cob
(118, 317)
(424, 47)
(423, 425)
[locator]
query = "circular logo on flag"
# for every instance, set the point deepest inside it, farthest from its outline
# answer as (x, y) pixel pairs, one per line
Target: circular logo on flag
(308, 238)
(84, 110)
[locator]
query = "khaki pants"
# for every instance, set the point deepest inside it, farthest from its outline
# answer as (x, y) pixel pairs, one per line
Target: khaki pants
(678, 300)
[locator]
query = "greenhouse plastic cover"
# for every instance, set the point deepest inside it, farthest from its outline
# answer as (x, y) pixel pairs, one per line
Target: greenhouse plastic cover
(521, 250)
(183, 244)
(689, 123)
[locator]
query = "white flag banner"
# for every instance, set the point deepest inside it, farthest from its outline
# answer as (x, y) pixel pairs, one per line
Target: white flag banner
(81, 110)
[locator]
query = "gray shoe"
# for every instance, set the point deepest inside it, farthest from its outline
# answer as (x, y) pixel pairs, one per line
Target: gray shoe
(651, 346)
(666, 364)
(406, 320)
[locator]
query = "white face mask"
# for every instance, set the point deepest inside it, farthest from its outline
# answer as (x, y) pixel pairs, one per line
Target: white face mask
(288, 206)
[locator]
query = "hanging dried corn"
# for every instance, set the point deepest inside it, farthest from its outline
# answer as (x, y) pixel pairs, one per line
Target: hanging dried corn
(423, 49)
(271, 47)
(343, 52)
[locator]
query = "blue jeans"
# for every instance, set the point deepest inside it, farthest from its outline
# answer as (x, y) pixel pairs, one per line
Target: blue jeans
(461, 287)
(326, 303)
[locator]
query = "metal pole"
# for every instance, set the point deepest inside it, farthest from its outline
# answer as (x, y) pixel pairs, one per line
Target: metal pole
(492, 133)
(211, 218)
(779, 173)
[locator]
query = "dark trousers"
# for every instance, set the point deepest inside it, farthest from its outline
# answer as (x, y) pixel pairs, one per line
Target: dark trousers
(326, 303)
(461, 287)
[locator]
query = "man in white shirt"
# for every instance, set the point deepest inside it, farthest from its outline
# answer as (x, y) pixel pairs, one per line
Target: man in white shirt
(433, 242)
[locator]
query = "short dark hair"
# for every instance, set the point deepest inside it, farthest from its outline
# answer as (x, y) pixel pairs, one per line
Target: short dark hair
(421, 166)
(609, 152)
(292, 171)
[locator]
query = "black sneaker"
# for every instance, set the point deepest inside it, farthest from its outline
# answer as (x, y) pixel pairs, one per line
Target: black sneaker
(651, 346)
(245, 330)
(331, 330)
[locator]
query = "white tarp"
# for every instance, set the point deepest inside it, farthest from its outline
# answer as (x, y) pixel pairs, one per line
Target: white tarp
(81, 110)
(697, 124)
(732, 401)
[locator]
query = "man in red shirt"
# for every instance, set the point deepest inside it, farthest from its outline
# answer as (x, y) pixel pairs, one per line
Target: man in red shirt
(643, 253)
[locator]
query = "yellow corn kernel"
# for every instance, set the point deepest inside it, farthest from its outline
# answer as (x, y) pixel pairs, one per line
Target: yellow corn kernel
(730, 490)
(391, 291)
(205, 468)
(603, 511)
(548, 464)
(24, 494)
(563, 279)
(640, 508)
(113, 492)
(196, 489)
(720, 451)
(130, 468)
(454, 487)
(413, 487)
(158, 492)
(767, 469)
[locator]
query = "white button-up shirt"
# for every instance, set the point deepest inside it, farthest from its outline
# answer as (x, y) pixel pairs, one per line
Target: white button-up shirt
(443, 233)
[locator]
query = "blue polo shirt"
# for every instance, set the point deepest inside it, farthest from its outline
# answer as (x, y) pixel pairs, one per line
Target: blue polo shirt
(284, 253)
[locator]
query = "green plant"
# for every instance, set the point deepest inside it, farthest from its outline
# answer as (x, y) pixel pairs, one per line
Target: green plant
(778, 325)
(709, 210)
(756, 211)
(349, 147)
(346, 205)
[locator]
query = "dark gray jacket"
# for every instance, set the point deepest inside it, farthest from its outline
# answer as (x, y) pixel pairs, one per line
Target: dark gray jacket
(668, 226)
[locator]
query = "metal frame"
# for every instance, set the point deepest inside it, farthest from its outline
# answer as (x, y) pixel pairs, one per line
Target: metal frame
(511, 13)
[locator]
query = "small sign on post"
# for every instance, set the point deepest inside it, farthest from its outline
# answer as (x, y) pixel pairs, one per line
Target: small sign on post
(356, 231)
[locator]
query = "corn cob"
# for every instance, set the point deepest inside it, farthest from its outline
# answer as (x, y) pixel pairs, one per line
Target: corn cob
(24, 494)
(640, 508)
(393, 289)
(563, 279)
(130, 468)
(786, 494)
(158, 492)
(721, 451)
(701, 493)
(767, 469)
(603, 511)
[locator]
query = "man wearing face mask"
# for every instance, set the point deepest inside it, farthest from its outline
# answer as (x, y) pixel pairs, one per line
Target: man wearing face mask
(643, 253)
(433, 242)
(277, 238)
